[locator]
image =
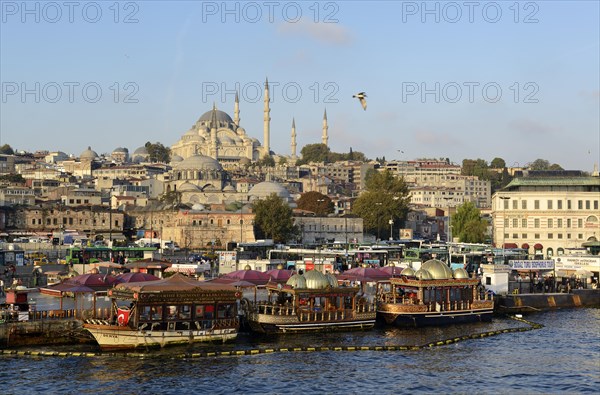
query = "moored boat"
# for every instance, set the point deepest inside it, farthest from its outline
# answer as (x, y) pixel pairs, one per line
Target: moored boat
(174, 310)
(310, 302)
(433, 295)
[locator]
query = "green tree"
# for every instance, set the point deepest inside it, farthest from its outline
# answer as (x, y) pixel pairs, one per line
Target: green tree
(13, 178)
(386, 197)
(498, 163)
(6, 150)
(539, 164)
(316, 202)
(314, 153)
(273, 219)
(266, 161)
(171, 197)
(468, 225)
(555, 166)
(158, 152)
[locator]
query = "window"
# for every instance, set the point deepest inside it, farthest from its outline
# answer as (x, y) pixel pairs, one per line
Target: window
(33, 221)
(560, 236)
(515, 204)
(587, 205)
(559, 223)
(580, 236)
(515, 223)
(568, 235)
(523, 222)
(524, 236)
(536, 204)
(506, 235)
(568, 222)
(549, 223)
(568, 204)
(580, 223)
(559, 204)
(536, 223)
(515, 236)
(550, 236)
(505, 203)
(506, 222)
(524, 204)
(536, 236)
(549, 204)
(580, 204)
(595, 205)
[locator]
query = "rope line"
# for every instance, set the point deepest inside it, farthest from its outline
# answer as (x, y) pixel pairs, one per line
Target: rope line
(532, 326)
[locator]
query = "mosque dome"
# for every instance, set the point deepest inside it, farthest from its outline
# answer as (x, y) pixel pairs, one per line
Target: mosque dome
(297, 281)
(229, 188)
(141, 151)
(88, 154)
(409, 271)
(438, 269)
(187, 187)
(120, 150)
(176, 158)
(316, 280)
(332, 279)
(460, 273)
(222, 117)
(199, 162)
(266, 188)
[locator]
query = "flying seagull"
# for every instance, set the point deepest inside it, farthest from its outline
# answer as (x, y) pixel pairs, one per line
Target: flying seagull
(361, 96)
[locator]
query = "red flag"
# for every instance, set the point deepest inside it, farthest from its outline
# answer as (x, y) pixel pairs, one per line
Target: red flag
(122, 316)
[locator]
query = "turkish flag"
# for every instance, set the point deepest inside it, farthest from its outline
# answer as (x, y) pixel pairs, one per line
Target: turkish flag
(122, 316)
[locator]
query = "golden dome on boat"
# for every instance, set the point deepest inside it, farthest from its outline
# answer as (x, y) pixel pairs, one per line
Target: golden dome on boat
(409, 271)
(332, 279)
(316, 280)
(460, 273)
(438, 269)
(247, 267)
(297, 281)
(423, 274)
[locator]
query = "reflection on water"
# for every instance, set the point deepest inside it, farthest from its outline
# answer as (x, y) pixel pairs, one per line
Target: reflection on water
(564, 356)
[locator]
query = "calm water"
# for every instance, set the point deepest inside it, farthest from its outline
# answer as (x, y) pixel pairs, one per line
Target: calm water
(562, 357)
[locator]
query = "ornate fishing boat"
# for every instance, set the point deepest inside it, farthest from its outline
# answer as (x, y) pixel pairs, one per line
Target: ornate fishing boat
(433, 295)
(174, 310)
(309, 302)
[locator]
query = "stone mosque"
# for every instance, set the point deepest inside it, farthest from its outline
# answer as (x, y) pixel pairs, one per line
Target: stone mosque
(216, 141)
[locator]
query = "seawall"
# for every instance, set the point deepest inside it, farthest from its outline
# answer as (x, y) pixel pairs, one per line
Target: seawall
(524, 303)
(42, 332)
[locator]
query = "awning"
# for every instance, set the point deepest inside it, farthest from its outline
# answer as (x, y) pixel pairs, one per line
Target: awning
(182, 270)
(538, 247)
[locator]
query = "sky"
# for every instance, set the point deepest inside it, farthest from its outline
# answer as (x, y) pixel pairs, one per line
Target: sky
(458, 80)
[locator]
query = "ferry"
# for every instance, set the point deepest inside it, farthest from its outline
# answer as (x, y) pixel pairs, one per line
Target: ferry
(433, 295)
(175, 310)
(309, 302)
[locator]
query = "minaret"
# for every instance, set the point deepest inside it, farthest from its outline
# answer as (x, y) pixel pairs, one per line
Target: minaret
(324, 137)
(267, 120)
(293, 138)
(213, 132)
(236, 110)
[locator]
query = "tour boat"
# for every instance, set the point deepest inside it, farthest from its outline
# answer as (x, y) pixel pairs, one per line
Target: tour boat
(433, 295)
(169, 311)
(309, 302)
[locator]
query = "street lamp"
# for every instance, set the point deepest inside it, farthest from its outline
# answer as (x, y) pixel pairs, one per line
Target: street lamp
(504, 200)
(391, 222)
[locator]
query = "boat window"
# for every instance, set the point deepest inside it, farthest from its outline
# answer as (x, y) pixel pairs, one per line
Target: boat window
(222, 311)
(209, 312)
(145, 313)
(185, 312)
(156, 313)
(199, 311)
(171, 312)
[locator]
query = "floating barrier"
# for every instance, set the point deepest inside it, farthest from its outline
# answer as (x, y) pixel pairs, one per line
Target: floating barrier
(256, 351)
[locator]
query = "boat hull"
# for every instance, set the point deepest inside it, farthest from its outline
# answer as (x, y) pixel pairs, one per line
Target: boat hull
(433, 318)
(112, 337)
(265, 323)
